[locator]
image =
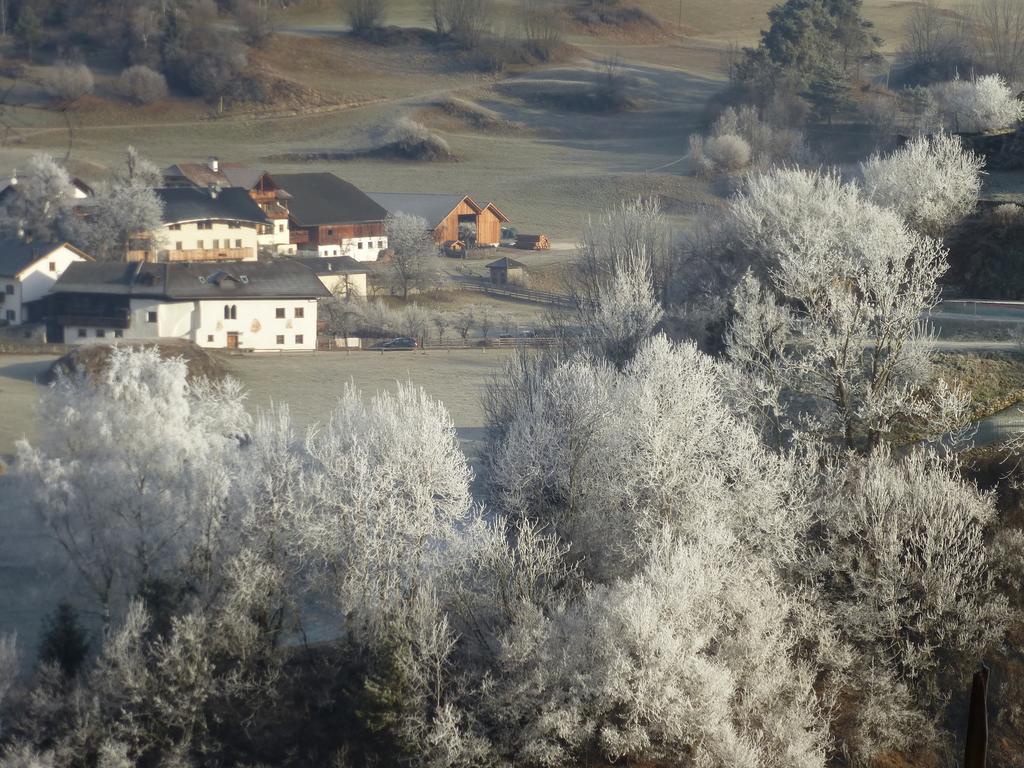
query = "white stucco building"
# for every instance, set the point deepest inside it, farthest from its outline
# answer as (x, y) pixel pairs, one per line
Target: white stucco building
(260, 306)
(28, 271)
(208, 225)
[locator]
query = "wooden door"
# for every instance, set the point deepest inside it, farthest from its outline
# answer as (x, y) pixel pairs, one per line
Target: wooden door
(232, 340)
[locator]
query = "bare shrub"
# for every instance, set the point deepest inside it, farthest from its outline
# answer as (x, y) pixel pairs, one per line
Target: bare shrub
(464, 21)
(542, 25)
(255, 21)
(364, 16)
(67, 83)
(475, 114)
(414, 141)
(142, 85)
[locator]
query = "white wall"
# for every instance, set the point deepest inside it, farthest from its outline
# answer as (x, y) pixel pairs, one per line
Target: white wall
(191, 237)
(257, 324)
(203, 322)
(350, 247)
(341, 284)
(33, 282)
(279, 237)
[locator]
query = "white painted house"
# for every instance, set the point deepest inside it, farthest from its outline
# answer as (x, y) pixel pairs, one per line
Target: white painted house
(273, 236)
(28, 271)
(206, 225)
(258, 306)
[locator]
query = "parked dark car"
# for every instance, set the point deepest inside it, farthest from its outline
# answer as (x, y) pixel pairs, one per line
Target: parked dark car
(394, 345)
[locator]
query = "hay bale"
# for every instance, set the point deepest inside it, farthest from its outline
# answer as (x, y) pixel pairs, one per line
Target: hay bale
(93, 358)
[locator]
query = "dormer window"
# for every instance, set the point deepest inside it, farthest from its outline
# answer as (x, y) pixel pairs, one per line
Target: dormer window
(53, 266)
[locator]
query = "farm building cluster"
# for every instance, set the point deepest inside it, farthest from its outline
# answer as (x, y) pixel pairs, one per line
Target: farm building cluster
(240, 260)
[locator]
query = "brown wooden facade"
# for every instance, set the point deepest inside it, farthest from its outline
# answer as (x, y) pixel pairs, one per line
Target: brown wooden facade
(486, 219)
(334, 234)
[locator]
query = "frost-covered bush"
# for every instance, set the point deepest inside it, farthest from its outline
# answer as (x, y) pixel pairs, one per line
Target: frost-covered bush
(609, 460)
(742, 137)
(933, 183)
(986, 103)
(690, 660)
(625, 314)
(905, 575)
(142, 85)
(68, 83)
(131, 471)
(414, 141)
(728, 152)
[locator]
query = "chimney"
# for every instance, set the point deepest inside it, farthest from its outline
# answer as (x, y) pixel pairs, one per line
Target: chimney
(14, 178)
(214, 191)
(214, 164)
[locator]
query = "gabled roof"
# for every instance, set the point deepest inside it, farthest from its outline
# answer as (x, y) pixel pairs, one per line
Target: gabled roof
(497, 212)
(180, 281)
(433, 208)
(506, 263)
(319, 199)
(331, 265)
(16, 255)
(226, 175)
(191, 204)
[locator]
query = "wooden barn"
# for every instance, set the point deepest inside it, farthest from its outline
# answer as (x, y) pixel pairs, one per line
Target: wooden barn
(448, 216)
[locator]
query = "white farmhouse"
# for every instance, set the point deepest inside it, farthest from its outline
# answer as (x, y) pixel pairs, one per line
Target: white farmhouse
(28, 271)
(206, 225)
(273, 236)
(240, 305)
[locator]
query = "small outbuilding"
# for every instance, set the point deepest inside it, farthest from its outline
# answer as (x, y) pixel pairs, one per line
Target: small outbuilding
(506, 271)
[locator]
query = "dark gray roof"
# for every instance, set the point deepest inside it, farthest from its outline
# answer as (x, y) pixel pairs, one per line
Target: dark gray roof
(326, 265)
(433, 208)
(506, 263)
(16, 254)
(322, 198)
(190, 204)
(180, 281)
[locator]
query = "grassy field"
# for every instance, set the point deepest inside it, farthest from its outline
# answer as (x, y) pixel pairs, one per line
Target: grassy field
(340, 94)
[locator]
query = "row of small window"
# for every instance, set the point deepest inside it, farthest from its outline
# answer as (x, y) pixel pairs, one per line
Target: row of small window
(209, 225)
(216, 244)
(280, 339)
(101, 333)
(231, 312)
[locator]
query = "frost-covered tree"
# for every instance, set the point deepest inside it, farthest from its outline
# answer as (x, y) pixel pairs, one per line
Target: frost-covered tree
(413, 248)
(609, 460)
(8, 668)
(690, 661)
(632, 232)
(41, 206)
(905, 575)
(625, 314)
(986, 103)
(830, 338)
(132, 469)
(933, 183)
(123, 211)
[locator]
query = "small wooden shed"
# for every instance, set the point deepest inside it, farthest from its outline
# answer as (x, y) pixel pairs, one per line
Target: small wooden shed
(506, 271)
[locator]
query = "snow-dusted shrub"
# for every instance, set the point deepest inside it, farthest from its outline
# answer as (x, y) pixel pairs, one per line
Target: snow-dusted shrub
(741, 137)
(142, 85)
(933, 183)
(905, 574)
(626, 312)
(68, 83)
(728, 152)
(844, 276)
(608, 459)
(986, 103)
(414, 141)
(691, 659)
(131, 470)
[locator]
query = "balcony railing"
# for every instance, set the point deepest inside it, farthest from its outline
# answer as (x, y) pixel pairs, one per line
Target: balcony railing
(209, 254)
